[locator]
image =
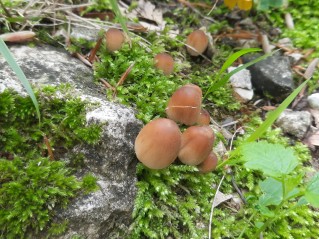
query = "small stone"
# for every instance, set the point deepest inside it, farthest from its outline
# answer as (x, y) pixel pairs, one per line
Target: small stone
(295, 57)
(295, 123)
(251, 43)
(84, 33)
(313, 101)
(286, 42)
(241, 79)
(243, 95)
(241, 83)
(272, 76)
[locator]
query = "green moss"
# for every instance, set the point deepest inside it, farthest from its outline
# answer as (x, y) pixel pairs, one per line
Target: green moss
(32, 185)
(171, 202)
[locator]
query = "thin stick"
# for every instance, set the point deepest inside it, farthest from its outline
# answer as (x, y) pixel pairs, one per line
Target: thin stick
(212, 209)
(47, 143)
(212, 8)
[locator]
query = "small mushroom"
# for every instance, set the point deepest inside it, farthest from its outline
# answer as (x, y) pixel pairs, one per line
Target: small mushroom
(164, 62)
(209, 164)
(197, 143)
(197, 40)
(158, 143)
(114, 39)
(185, 104)
(203, 118)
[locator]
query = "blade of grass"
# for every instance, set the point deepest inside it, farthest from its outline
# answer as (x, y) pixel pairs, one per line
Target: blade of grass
(122, 20)
(221, 82)
(4, 50)
(230, 60)
(271, 118)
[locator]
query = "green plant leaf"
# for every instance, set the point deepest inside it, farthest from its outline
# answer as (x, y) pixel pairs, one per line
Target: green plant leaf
(17, 70)
(266, 212)
(312, 191)
(272, 116)
(272, 159)
(291, 183)
(272, 192)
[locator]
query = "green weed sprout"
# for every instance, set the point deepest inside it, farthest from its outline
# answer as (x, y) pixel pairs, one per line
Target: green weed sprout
(281, 185)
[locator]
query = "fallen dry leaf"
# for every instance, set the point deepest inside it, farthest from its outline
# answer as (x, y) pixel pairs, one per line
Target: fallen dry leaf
(313, 139)
(220, 198)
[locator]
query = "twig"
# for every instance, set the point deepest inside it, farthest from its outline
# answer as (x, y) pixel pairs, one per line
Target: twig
(237, 188)
(123, 77)
(93, 52)
(107, 85)
(47, 143)
(214, 6)
(212, 209)
(5, 9)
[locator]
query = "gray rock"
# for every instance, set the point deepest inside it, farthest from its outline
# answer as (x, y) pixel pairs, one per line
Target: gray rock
(313, 101)
(78, 32)
(241, 83)
(272, 76)
(107, 212)
(295, 57)
(46, 65)
(241, 79)
(286, 42)
(295, 123)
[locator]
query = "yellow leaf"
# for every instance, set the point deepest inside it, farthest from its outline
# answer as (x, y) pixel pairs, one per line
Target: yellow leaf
(245, 4)
(230, 3)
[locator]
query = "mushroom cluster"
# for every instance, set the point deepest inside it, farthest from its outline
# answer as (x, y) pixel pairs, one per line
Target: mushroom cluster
(160, 141)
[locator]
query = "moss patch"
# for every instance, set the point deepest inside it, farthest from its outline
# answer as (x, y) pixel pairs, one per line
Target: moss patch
(31, 184)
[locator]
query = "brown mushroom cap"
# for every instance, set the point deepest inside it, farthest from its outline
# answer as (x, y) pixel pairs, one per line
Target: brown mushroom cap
(164, 62)
(209, 164)
(114, 39)
(185, 104)
(203, 118)
(197, 143)
(197, 40)
(158, 143)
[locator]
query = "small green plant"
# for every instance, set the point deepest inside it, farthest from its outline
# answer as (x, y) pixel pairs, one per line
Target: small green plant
(281, 185)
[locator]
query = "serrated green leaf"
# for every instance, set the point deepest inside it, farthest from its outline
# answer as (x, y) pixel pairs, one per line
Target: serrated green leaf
(302, 201)
(291, 183)
(272, 192)
(266, 212)
(312, 191)
(272, 159)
